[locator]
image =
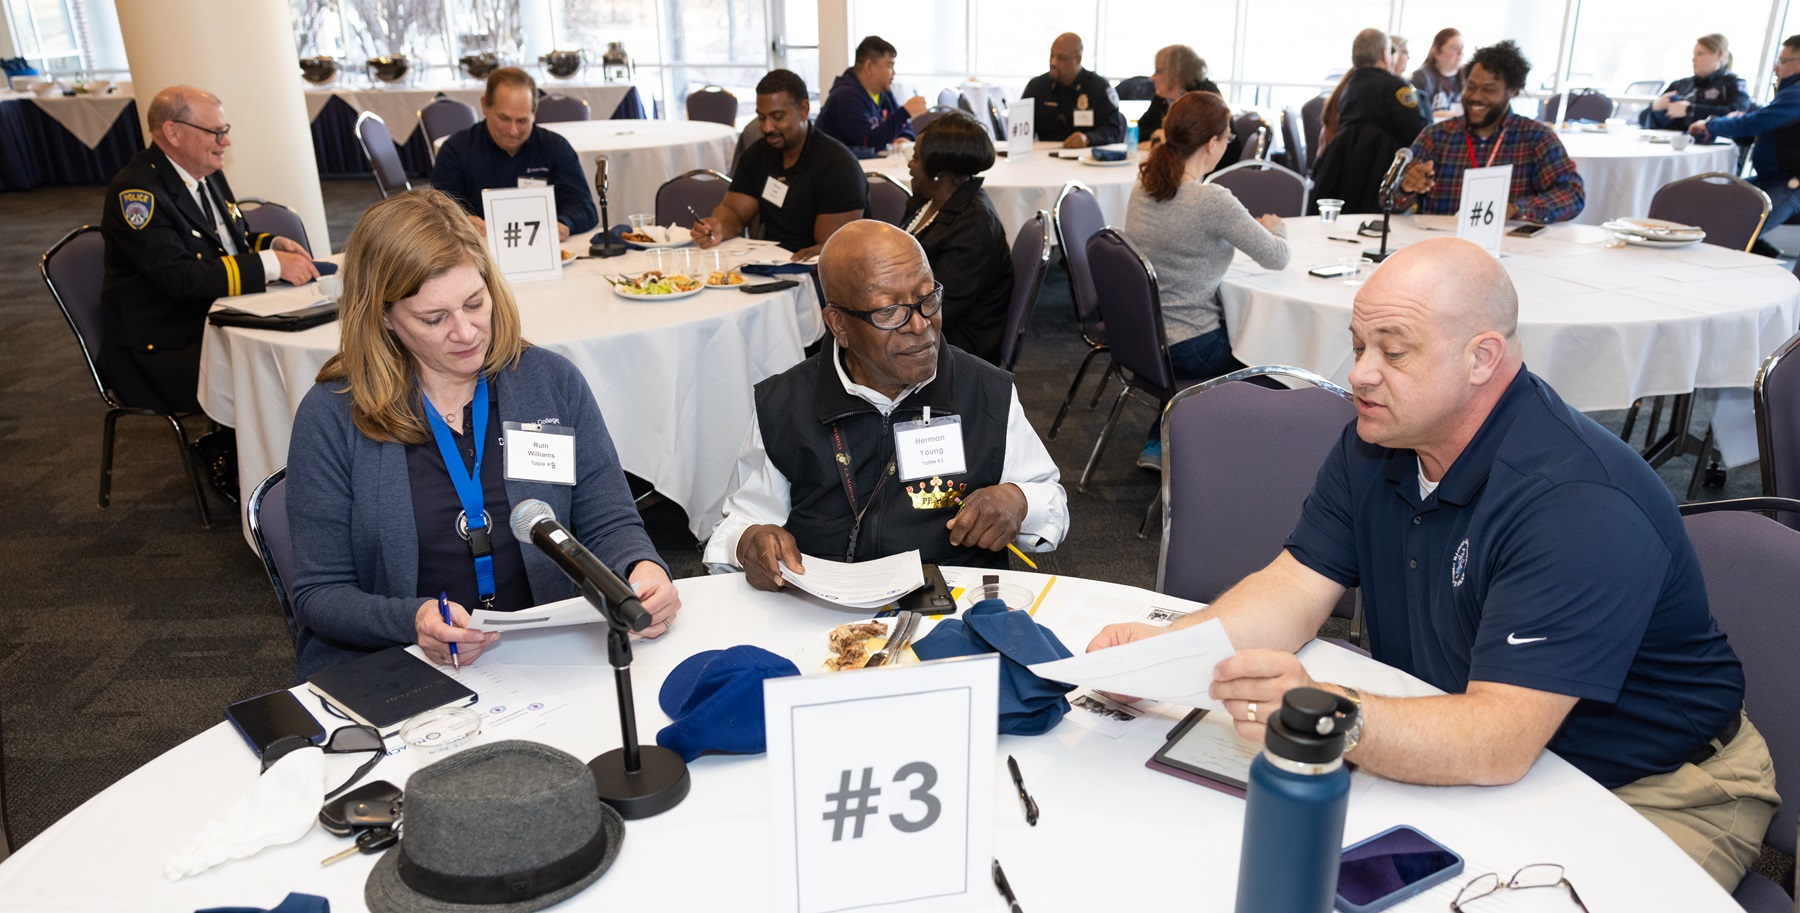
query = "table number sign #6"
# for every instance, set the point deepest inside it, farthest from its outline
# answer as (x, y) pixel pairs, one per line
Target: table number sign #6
(1481, 214)
(522, 232)
(872, 767)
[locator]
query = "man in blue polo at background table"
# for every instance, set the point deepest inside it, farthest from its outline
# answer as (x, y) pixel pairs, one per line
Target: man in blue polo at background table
(506, 149)
(861, 111)
(1514, 554)
(1776, 154)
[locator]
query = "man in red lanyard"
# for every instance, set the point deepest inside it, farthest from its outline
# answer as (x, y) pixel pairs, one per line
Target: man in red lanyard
(1545, 187)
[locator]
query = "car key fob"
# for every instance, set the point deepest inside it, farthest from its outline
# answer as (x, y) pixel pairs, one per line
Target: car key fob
(359, 815)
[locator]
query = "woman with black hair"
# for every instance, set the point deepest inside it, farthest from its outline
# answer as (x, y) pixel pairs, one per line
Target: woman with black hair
(954, 221)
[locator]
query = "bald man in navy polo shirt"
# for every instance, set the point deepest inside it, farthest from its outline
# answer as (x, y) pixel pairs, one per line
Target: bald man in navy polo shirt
(1513, 553)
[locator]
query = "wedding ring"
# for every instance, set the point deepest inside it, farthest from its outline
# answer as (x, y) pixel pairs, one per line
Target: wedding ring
(1252, 711)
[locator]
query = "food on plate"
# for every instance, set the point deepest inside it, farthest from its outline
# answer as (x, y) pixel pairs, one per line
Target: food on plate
(726, 277)
(852, 644)
(638, 237)
(567, 256)
(657, 283)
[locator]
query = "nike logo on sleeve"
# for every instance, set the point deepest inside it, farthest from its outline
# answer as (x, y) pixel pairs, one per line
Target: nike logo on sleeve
(1515, 639)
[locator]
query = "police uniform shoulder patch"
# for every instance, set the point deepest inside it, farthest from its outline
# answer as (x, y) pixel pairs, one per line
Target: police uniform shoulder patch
(1408, 96)
(137, 206)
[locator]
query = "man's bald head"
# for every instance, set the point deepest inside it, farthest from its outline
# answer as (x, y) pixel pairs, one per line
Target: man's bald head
(1065, 58)
(176, 103)
(183, 123)
(1463, 286)
(1070, 42)
(869, 266)
(858, 256)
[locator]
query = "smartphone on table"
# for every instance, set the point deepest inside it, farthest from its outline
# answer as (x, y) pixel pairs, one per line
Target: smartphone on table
(1394, 865)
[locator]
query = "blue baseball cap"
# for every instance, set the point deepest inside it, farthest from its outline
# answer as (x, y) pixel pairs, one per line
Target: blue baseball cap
(716, 700)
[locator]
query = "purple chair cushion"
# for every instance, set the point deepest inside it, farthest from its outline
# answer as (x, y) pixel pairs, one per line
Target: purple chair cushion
(1078, 217)
(1757, 894)
(703, 190)
(1132, 311)
(1265, 190)
(1030, 261)
(1730, 210)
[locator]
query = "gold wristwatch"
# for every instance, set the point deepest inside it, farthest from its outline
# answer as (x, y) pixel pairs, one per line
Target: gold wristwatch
(1353, 735)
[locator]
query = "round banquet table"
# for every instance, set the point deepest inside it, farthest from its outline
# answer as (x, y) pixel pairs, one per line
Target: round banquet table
(1020, 189)
(642, 154)
(1148, 838)
(1604, 326)
(1621, 172)
(673, 379)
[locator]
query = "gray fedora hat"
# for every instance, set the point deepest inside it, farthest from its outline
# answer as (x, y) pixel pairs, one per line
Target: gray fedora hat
(503, 828)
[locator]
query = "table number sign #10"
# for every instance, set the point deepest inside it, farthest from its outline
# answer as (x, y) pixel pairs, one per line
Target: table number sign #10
(521, 232)
(875, 766)
(1481, 215)
(1021, 129)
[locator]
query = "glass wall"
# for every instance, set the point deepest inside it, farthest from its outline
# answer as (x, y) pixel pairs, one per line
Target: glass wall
(1135, 30)
(1618, 42)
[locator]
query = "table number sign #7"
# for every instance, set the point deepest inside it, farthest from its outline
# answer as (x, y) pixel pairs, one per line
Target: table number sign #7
(522, 232)
(874, 766)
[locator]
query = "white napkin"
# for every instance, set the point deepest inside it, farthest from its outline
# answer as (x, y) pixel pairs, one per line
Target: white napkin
(280, 808)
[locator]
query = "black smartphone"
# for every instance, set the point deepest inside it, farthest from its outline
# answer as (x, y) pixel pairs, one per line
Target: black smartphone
(775, 285)
(263, 719)
(1392, 866)
(933, 598)
(1527, 230)
(332, 814)
(1327, 272)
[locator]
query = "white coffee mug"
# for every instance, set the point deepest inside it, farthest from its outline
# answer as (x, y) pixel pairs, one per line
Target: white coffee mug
(1680, 141)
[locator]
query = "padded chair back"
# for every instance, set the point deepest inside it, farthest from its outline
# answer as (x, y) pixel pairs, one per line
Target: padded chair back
(1078, 217)
(997, 117)
(703, 189)
(384, 156)
(1752, 570)
(267, 512)
(559, 109)
(933, 113)
(1137, 88)
(1729, 208)
(74, 269)
(750, 134)
(443, 117)
(1132, 310)
(887, 199)
(1254, 132)
(1238, 462)
(264, 217)
(1293, 137)
(1312, 119)
(1264, 187)
(714, 104)
(1584, 104)
(947, 98)
(1777, 396)
(1030, 262)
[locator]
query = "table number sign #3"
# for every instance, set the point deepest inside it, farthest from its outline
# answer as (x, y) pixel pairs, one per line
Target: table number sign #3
(879, 765)
(522, 232)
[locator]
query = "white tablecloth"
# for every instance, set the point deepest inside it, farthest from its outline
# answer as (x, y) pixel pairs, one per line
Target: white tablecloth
(1113, 835)
(399, 105)
(1623, 171)
(1603, 326)
(642, 154)
(87, 117)
(673, 379)
(1020, 189)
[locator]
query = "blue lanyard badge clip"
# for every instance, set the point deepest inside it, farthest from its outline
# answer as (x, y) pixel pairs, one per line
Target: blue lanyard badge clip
(473, 523)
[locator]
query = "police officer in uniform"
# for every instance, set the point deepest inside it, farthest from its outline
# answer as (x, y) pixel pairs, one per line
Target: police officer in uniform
(1074, 106)
(1378, 113)
(1776, 129)
(1713, 90)
(175, 241)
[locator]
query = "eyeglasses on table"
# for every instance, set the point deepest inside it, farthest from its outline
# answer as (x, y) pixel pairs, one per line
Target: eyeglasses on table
(1536, 875)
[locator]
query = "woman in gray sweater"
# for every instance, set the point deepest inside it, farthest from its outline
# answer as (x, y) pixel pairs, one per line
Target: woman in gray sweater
(402, 442)
(1190, 231)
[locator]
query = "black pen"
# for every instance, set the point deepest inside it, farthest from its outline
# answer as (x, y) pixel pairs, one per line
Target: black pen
(1005, 889)
(1031, 809)
(1345, 240)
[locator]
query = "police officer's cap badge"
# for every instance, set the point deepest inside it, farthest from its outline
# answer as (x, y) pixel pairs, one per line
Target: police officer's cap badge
(137, 205)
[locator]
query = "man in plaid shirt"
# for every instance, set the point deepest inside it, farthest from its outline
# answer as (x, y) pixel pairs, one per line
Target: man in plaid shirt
(1545, 187)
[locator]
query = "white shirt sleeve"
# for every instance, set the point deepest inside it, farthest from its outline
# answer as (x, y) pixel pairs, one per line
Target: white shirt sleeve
(271, 266)
(760, 494)
(1029, 466)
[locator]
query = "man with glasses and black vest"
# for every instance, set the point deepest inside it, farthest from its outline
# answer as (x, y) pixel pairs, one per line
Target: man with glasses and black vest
(888, 439)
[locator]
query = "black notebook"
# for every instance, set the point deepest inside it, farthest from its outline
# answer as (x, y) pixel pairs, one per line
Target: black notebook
(291, 322)
(388, 688)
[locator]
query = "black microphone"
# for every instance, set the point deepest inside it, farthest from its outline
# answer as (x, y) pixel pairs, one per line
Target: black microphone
(534, 520)
(1396, 171)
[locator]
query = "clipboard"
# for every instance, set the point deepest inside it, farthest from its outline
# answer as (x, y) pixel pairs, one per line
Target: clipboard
(291, 322)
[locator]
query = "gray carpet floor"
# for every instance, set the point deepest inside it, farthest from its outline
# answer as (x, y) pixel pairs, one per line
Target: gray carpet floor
(126, 631)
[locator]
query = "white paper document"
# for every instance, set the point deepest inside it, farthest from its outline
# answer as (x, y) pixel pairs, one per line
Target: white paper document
(573, 611)
(862, 585)
(1176, 667)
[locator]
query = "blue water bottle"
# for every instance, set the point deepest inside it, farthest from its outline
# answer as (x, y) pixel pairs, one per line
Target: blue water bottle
(1294, 807)
(1131, 140)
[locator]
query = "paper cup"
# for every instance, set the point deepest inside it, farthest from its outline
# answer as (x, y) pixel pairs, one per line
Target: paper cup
(331, 286)
(1356, 269)
(1329, 209)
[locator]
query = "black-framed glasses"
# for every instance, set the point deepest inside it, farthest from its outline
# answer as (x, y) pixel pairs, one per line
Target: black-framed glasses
(1536, 875)
(344, 740)
(218, 135)
(895, 316)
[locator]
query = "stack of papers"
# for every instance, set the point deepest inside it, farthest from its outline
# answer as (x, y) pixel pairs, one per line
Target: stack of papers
(1175, 667)
(863, 585)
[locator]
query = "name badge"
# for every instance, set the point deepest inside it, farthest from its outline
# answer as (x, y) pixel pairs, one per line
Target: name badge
(775, 192)
(533, 182)
(1084, 117)
(929, 448)
(540, 453)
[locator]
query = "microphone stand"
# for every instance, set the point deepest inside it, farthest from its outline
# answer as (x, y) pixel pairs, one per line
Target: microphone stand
(637, 780)
(603, 245)
(1387, 210)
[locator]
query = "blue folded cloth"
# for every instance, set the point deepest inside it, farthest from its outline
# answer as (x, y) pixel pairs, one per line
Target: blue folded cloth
(1108, 153)
(776, 269)
(1029, 703)
(293, 903)
(715, 698)
(325, 267)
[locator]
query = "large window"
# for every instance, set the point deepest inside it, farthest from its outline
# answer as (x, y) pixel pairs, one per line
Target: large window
(45, 30)
(1135, 30)
(1534, 25)
(1618, 42)
(931, 36)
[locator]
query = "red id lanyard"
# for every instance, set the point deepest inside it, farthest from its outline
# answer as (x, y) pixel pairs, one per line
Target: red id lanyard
(1491, 152)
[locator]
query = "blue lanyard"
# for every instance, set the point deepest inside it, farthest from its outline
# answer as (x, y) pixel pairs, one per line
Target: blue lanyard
(468, 485)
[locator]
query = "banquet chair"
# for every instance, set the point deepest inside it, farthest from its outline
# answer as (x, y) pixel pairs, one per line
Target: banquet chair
(1751, 565)
(1078, 217)
(264, 217)
(384, 157)
(887, 199)
(947, 98)
(1630, 110)
(1255, 134)
(1776, 393)
(1294, 138)
(749, 135)
(1030, 262)
(74, 269)
(1238, 462)
(1264, 187)
(714, 104)
(560, 109)
(1132, 311)
(702, 188)
(1584, 104)
(997, 114)
(1312, 119)
(932, 113)
(1136, 88)
(268, 516)
(443, 117)
(1730, 209)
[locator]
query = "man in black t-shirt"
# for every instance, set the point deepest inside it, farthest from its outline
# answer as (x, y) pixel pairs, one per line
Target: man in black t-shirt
(805, 184)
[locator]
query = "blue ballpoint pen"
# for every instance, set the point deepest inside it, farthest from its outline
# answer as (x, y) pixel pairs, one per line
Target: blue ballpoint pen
(444, 610)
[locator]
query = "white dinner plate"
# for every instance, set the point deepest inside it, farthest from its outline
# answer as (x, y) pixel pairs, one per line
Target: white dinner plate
(816, 650)
(730, 284)
(664, 245)
(622, 293)
(1641, 241)
(676, 235)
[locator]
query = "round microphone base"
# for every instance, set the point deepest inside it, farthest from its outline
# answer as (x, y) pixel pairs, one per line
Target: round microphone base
(659, 785)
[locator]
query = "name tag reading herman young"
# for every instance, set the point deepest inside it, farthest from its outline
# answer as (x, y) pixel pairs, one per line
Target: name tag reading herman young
(1481, 216)
(878, 765)
(521, 232)
(775, 192)
(540, 453)
(929, 448)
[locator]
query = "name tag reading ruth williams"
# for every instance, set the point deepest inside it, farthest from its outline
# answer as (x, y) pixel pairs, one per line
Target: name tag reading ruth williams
(932, 446)
(540, 453)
